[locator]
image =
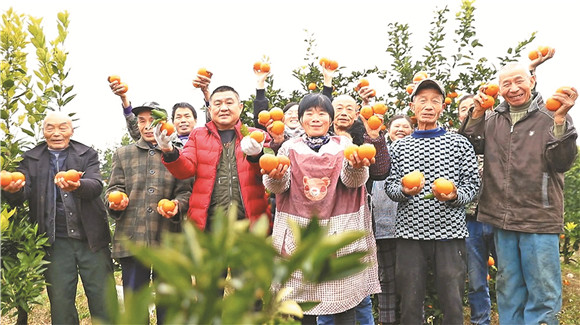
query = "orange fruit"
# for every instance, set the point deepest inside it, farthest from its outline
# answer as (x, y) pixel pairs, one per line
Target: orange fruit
(452, 95)
(544, 50)
(112, 78)
(562, 89)
(265, 67)
(277, 114)
(373, 93)
(283, 160)
(374, 122)
(115, 197)
(366, 112)
(258, 136)
(562, 236)
(257, 66)
(490, 261)
(312, 86)
(363, 83)
(552, 104)
(332, 65)
(5, 178)
(413, 179)
(204, 72)
(533, 55)
(448, 100)
(268, 162)
(323, 62)
(73, 175)
(263, 117)
(18, 176)
(491, 89)
(125, 88)
(444, 186)
(383, 127)
(349, 150)
(488, 102)
(168, 126)
(488, 277)
(60, 175)
(367, 151)
(277, 127)
(420, 76)
(410, 88)
(380, 108)
(166, 205)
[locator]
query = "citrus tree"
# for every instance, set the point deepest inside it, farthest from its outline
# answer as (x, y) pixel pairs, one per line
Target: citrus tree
(570, 239)
(27, 95)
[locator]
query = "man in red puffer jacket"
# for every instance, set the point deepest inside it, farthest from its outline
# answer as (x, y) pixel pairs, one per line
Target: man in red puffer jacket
(223, 162)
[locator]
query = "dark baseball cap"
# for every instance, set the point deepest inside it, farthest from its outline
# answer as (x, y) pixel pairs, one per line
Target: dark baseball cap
(147, 106)
(427, 83)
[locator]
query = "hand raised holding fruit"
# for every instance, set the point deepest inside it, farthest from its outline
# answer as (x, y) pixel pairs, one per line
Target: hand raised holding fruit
(164, 141)
(539, 55)
(262, 70)
(69, 180)
(167, 208)
(250, 146)
(561, 102)
(202, 81)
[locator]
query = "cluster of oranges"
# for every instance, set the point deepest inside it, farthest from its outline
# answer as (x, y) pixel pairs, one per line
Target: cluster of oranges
(116, 78)
(366, 150)
(9, 177)
(269, 162)
(490, 90)
(368, 112)
(542, 49)
(365, 83)
(329, 64)
(277, 115)
(262, 66)
(553, 104)
(69, 175)
(116, 197)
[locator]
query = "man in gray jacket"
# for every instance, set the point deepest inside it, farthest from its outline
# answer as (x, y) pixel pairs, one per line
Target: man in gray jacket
(526, 151)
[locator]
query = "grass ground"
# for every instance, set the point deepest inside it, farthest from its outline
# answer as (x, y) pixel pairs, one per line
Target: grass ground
(570, 303)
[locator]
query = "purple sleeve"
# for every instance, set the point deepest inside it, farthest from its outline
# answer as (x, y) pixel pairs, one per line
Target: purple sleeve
(380, 169)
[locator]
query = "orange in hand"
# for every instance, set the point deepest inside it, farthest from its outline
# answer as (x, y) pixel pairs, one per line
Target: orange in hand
(380, 108)
(553, 104)
(444, 186)
(277, 127)
(258, 136)
(283, 160)
(6, 178)
(265, 67)
(116, 197)
(125, 88)
(204, 72)
(367, 112)
(268, 162)
(166, 205)
(73, 175)
(257, 65)
(168, 126)
(367, 151)
(277, 114)
(263, 117)
(112, 78)
(374, 122)
(18, 176)
(491, 89)
(488, 102)
(413, 179)
(350, 150)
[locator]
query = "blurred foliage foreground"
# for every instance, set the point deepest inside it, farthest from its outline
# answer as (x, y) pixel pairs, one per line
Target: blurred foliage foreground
(191, 267)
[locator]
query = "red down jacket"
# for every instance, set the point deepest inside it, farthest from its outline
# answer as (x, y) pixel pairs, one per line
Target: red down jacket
(200, 158)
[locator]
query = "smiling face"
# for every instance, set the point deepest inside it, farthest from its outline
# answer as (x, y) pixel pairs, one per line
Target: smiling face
(427, 106)
(291, 117)
(464, 107)
(57, 130)
(515, 85)
(225, 109)
(399, 128)
(345, 112)
(144, 120)
(315, 122)
(184, 120)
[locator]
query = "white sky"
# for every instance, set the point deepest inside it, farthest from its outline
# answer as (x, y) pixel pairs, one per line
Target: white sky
(157, 46)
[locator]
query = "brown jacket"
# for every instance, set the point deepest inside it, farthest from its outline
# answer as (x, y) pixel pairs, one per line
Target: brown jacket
(524, 165)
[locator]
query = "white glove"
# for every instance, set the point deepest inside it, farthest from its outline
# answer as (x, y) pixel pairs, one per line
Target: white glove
(163, 140)
(250, 146)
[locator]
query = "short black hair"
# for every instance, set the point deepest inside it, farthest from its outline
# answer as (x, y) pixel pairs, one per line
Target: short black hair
(183, 105)
(288, 106)
(222, 89)
(315, 100)
(398, 117)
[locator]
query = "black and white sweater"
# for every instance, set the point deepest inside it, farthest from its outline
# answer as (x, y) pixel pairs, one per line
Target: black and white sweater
(436, 153)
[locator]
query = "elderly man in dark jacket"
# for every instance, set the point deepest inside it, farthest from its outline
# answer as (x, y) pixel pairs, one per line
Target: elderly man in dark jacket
(72, 215)
(527, 148)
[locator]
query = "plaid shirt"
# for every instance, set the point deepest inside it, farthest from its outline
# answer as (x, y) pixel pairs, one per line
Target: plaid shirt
(138, 172)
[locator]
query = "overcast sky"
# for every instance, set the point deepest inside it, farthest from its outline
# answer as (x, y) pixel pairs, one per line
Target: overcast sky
(157, 46)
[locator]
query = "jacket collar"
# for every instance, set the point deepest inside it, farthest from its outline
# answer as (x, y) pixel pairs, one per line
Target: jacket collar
(535, 105)
(213, 129)
(41, 148)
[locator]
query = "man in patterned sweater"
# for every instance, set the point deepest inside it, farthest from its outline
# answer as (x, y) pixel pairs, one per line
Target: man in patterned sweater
(431, 231)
